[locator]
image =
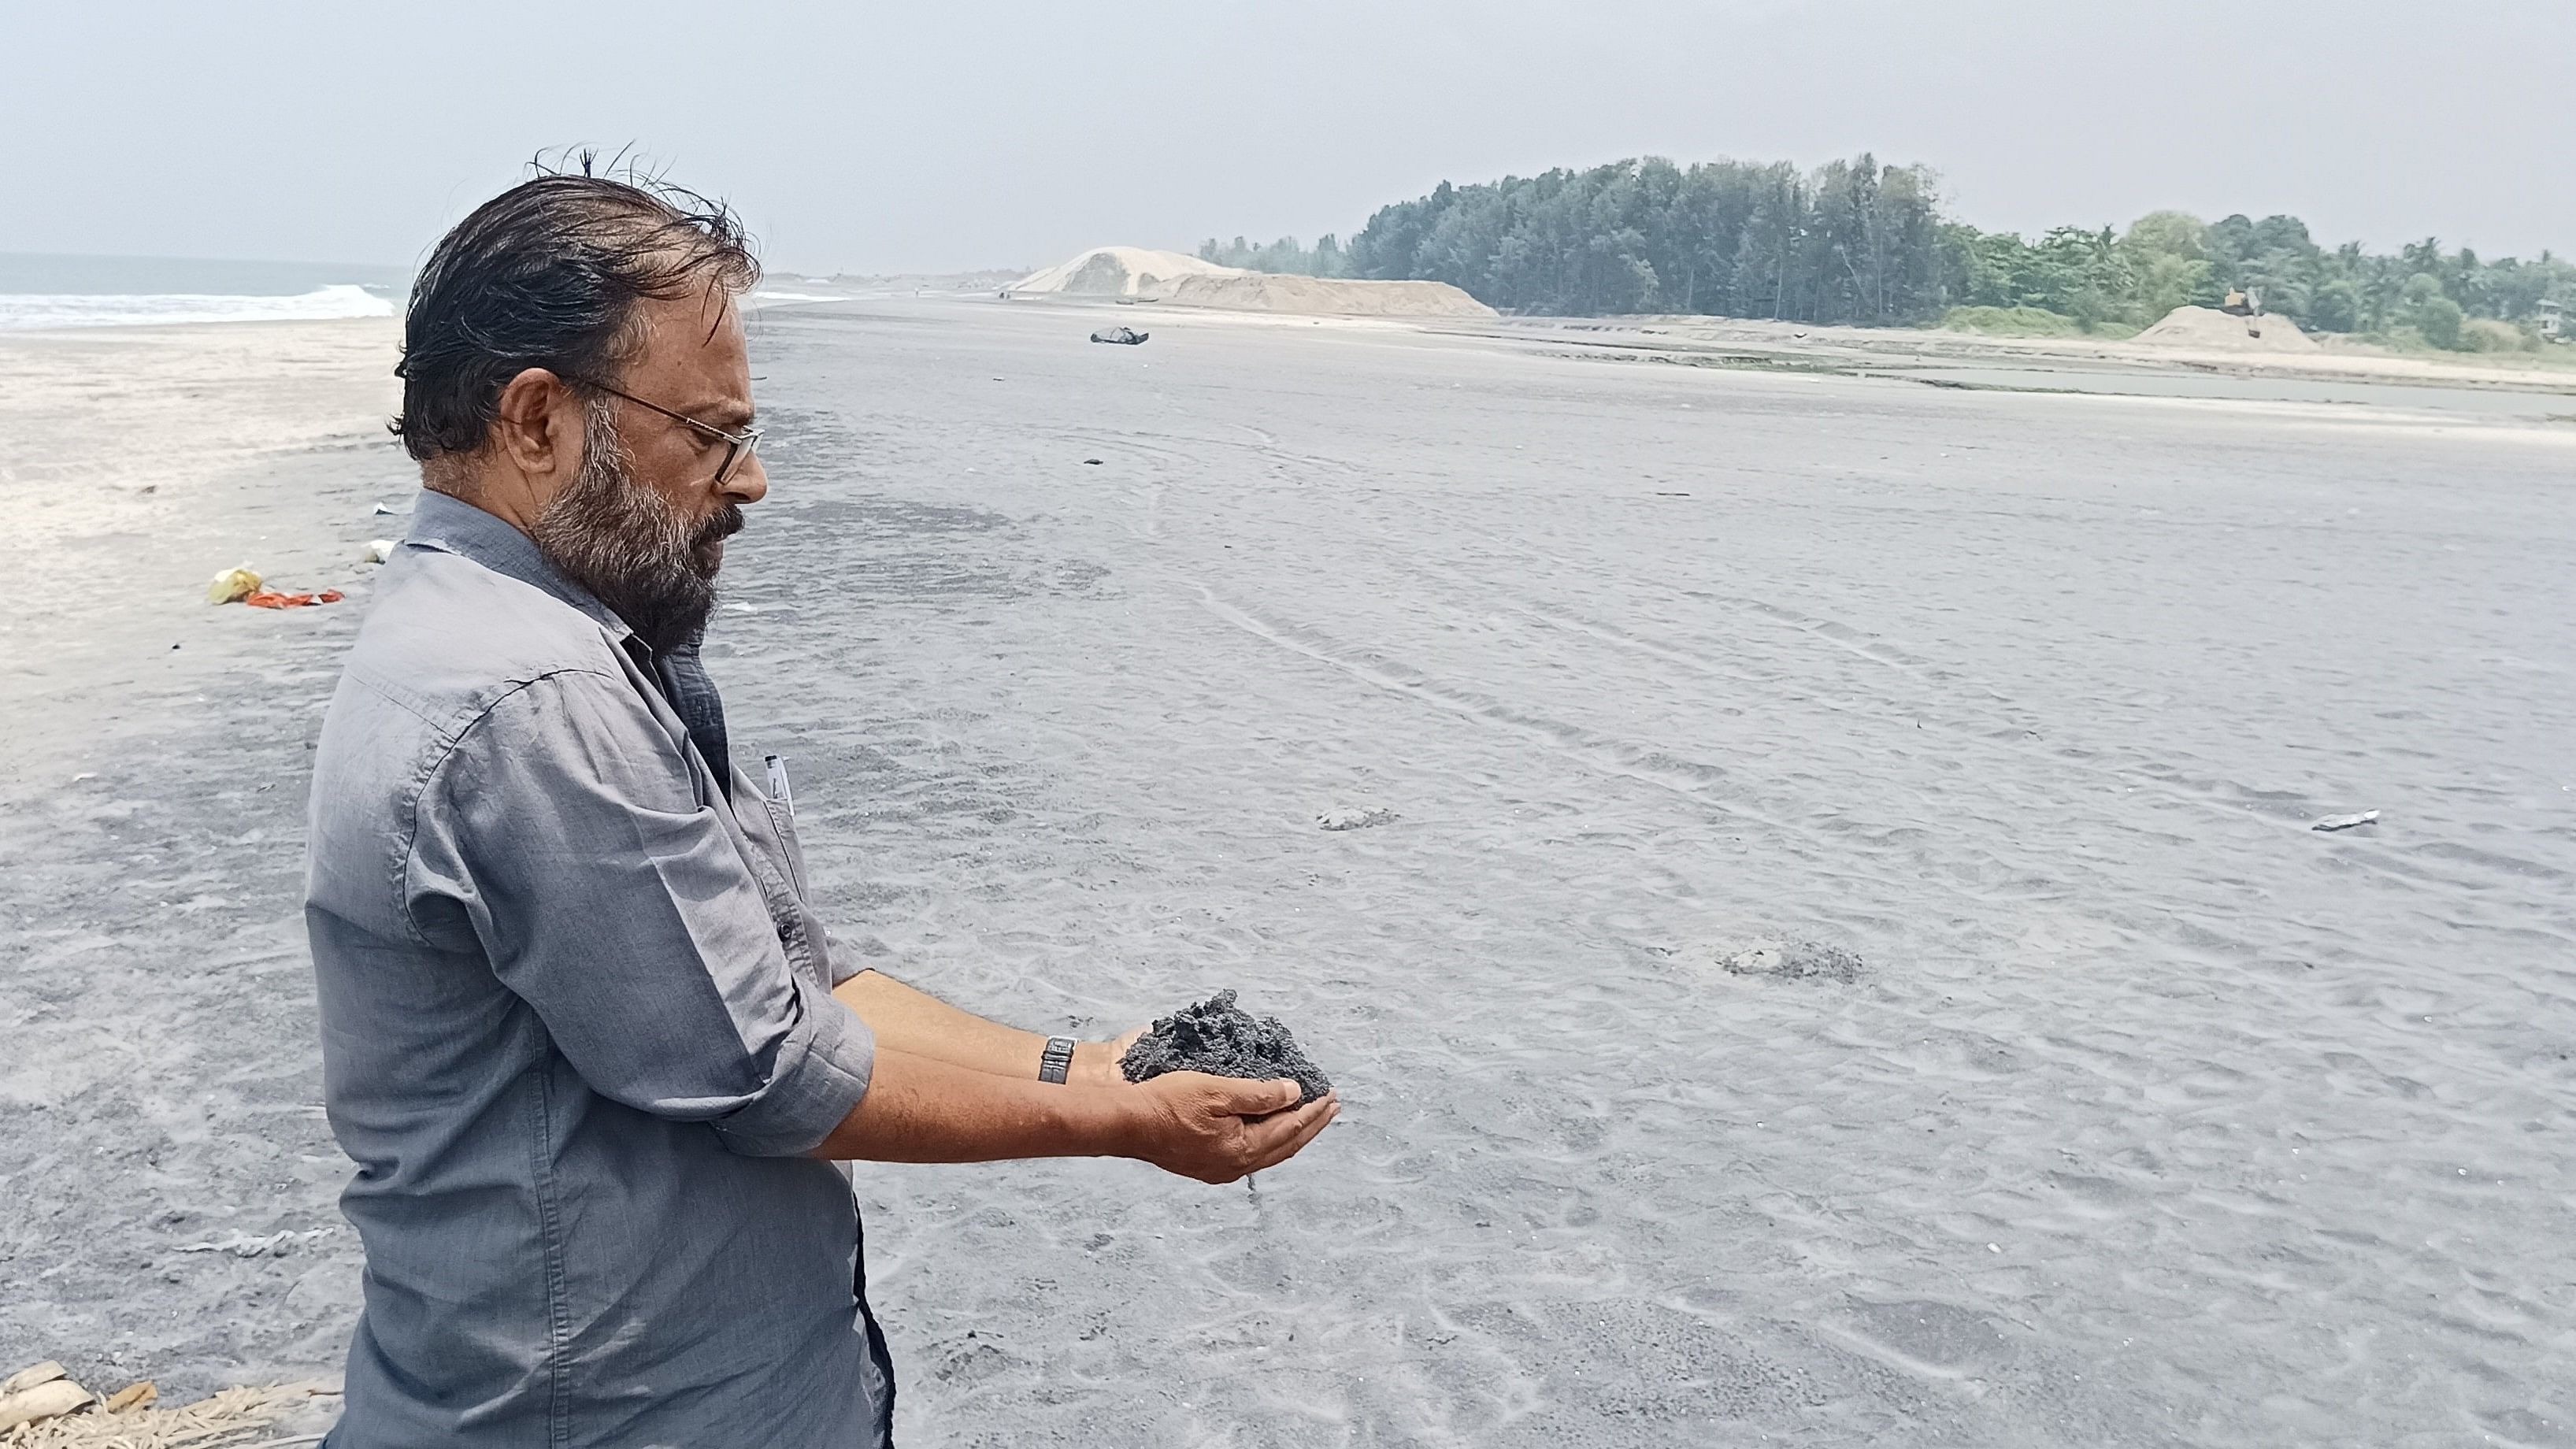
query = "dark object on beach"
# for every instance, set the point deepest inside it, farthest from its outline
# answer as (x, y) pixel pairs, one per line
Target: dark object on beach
(1123, 336)
(1223, 1040)
(2347, 822)
(1091, 462)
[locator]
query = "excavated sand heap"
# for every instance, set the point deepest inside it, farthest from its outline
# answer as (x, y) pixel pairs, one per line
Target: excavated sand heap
(1273, 292)
(1190, 282)
(2209, 328)
(1119, 272)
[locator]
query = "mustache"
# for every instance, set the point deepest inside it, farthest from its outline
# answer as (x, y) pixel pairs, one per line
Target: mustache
(706, 546)
(722, 524)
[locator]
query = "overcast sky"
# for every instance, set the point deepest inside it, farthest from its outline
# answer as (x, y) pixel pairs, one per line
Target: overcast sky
(944, 134)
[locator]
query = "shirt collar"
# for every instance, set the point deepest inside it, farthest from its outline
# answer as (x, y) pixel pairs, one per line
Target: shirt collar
(455, 526)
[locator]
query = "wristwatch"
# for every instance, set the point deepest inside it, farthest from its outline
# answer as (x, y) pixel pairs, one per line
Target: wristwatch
(1057, 1061)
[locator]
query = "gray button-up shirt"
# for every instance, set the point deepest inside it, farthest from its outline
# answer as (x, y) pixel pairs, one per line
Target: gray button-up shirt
(577, 1032)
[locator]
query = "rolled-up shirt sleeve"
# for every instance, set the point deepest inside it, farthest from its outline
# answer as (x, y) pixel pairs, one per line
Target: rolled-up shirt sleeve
(565, 827)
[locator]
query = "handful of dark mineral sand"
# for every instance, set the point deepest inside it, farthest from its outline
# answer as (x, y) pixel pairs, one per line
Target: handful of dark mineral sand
(1223, 1040)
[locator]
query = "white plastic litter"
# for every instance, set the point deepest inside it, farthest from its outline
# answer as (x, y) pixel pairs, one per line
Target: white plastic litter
(272, 1245)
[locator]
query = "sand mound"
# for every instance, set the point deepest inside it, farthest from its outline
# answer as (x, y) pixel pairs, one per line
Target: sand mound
(1271, 292)
(2210, 328)
(1172, 277)
(1119, 272)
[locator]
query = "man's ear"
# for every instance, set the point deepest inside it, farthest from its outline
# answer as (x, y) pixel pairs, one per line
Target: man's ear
(538, 429)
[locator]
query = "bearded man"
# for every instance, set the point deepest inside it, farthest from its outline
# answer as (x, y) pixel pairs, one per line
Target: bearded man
(583, 1032)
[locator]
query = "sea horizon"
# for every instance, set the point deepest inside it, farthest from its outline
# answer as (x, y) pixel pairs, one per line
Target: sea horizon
(44, 290)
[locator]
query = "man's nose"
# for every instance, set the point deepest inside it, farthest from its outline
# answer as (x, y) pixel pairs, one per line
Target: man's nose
(749, 483)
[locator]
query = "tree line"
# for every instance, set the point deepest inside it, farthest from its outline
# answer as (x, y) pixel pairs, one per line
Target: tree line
(1867, 244)
(1324, 259)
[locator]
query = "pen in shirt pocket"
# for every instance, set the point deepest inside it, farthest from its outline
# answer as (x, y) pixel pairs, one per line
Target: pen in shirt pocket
(779, 790)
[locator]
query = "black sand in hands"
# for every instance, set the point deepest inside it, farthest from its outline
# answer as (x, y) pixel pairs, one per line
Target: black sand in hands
(1222, 1039)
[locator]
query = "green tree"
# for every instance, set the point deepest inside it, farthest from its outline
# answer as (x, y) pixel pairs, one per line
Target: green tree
(2168, 263)
(1286, 255)
(2337, 306)
(2169, 233)
(1863, 242)
(2431, 311)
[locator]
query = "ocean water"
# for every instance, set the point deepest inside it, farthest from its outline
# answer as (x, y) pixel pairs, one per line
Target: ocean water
(41, 291)
(45, 290)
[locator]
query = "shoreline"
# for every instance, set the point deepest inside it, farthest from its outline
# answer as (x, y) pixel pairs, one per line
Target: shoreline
(1887, 345)
(1889, 351)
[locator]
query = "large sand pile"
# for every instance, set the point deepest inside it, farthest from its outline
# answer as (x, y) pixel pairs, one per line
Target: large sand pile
(1172, 277)
(1120, 272)
(2207, 327)
(1272, 292)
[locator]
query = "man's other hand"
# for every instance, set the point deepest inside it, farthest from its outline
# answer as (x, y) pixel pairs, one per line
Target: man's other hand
(1220, 1129)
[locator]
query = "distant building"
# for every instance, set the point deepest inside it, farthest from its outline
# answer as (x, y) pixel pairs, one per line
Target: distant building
(2549, 321)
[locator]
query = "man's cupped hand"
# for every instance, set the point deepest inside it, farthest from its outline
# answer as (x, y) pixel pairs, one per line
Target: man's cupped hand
(1222, 1129)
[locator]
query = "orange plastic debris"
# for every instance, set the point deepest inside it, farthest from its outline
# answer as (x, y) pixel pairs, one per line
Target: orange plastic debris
(267, 600)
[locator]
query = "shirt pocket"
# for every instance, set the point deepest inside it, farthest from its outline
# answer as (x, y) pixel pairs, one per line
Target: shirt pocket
(780, 871)
(786, 911)
(791, 851)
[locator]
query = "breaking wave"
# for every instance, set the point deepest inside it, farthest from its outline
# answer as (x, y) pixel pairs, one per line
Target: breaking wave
(28, 312)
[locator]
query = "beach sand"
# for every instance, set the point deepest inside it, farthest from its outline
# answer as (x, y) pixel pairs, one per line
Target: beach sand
(2149, 1115)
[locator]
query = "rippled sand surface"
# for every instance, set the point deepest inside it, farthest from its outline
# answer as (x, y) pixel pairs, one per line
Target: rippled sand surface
(2156, 1116)
(2150, 1116)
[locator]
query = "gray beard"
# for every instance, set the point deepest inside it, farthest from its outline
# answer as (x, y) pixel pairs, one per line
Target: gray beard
(635, 552)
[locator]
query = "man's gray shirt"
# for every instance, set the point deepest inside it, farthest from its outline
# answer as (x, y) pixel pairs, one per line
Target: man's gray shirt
(577, 1034)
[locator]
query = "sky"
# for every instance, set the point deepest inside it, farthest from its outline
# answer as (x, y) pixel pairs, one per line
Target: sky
(944, 135)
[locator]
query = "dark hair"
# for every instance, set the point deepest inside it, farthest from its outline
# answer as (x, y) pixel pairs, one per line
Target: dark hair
(547, 274)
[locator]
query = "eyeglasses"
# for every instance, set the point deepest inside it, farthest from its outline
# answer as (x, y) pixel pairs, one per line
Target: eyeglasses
(738, 446)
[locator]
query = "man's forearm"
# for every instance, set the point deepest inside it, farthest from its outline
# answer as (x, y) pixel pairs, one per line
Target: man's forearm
(923, 1109)
(919, 1024)
(1215, 1129)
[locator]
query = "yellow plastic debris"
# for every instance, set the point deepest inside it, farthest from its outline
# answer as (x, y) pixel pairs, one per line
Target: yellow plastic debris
(232, 584)
(133, 1396)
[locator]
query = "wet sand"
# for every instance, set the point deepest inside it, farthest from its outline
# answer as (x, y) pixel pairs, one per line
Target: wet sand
(2151, 1117)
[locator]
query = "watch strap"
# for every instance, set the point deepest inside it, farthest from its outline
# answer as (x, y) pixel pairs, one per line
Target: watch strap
(1056, 1063)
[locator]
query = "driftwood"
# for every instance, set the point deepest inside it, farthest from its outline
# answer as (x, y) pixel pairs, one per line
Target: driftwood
(243, 1418)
